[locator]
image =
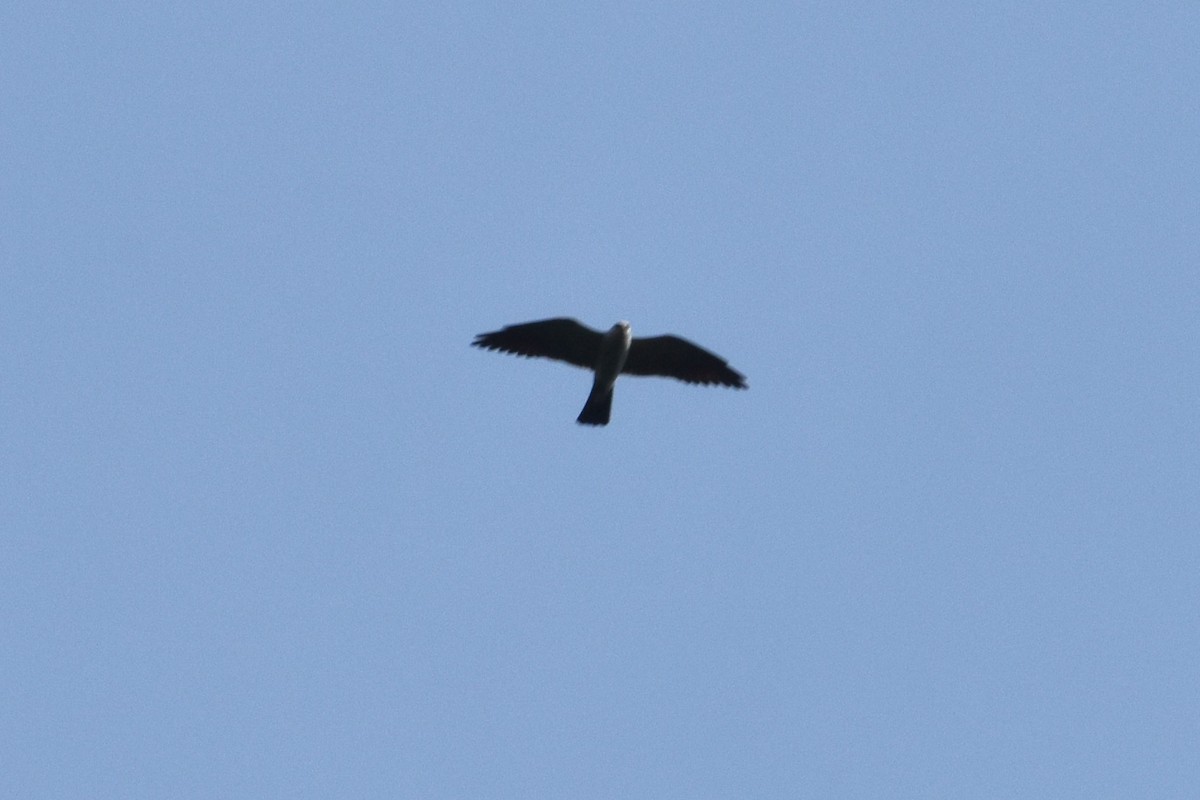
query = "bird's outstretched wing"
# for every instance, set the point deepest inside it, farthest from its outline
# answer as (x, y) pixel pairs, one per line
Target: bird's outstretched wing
(672, 357)
(560, 338)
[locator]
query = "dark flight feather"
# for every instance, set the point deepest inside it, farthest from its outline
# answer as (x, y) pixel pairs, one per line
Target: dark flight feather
(673, 357)
(561, 338)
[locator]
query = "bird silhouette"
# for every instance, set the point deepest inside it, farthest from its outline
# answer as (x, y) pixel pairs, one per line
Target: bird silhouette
(609, 355)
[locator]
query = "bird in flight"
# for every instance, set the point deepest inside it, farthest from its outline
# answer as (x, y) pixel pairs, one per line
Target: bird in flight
(609, 355)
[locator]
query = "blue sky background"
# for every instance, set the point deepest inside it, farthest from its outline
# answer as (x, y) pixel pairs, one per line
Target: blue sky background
(273, 529)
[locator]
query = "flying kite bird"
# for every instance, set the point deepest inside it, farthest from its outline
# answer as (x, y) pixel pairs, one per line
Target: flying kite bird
(610, 354)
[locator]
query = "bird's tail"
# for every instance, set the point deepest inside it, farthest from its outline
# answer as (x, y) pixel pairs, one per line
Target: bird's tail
(597, 408)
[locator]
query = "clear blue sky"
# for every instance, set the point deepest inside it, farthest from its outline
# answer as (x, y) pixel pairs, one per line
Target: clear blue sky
(272, 529)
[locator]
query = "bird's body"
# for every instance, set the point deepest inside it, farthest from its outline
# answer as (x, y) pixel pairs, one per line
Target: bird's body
(609, 355)
(614, 350)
